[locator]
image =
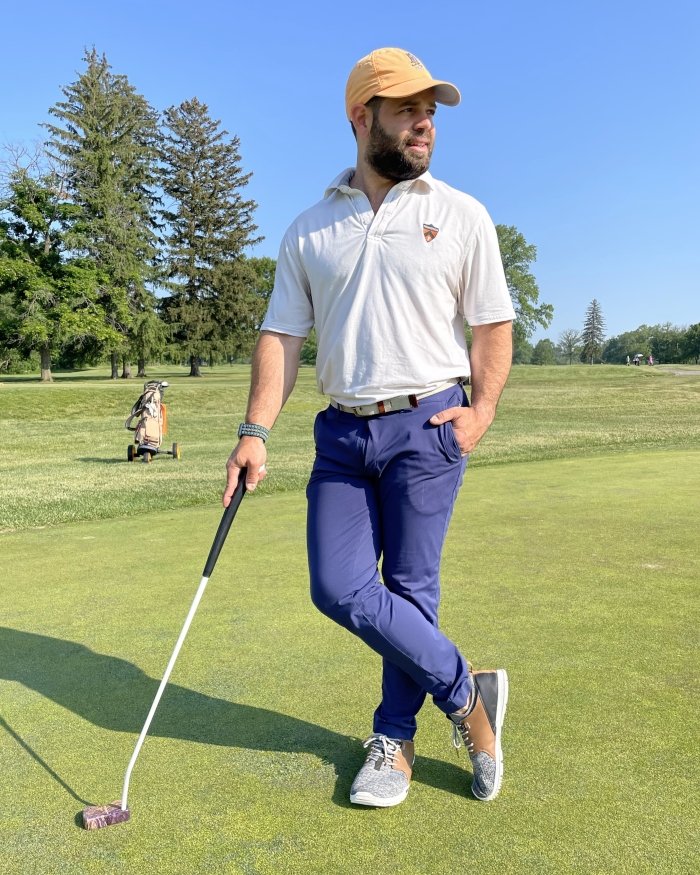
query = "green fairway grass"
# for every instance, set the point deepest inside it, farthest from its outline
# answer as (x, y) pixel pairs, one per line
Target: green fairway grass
(64, 445)
(575, 568)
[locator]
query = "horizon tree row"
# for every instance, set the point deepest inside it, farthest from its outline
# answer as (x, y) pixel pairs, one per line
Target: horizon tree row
(665, 343)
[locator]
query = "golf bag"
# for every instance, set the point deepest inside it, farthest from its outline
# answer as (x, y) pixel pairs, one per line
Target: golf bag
(152, 416)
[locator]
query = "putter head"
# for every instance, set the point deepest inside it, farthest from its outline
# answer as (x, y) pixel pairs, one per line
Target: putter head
(97, 816)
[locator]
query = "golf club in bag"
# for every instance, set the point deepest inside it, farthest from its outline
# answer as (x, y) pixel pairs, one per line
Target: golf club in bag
(97, 816)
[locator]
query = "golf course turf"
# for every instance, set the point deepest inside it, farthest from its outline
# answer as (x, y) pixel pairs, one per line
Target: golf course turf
(571, 561)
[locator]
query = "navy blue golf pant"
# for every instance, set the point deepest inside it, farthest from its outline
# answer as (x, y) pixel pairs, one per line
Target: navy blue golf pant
(382, 488)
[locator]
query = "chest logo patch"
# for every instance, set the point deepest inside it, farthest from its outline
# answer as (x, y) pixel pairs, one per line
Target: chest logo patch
(430, 232)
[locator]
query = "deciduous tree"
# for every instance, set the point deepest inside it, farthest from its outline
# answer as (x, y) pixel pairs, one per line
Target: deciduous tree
(569, 344)
(544, 353)
(522, 349)
(517, 255)
(47, 301)
(691, 343)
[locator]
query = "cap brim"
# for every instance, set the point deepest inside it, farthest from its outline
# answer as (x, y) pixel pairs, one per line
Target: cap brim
(445, 92)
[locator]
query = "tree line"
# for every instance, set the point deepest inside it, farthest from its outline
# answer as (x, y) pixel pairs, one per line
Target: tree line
(663, 344)
(125, 237)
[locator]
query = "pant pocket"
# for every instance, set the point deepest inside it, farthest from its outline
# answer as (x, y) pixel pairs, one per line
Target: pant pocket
(448, 442)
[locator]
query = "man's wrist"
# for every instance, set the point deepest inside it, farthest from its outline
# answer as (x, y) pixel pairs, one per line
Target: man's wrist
(484, 412)
(252, 429)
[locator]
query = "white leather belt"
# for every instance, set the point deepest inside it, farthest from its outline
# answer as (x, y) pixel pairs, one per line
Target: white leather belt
(399, 402)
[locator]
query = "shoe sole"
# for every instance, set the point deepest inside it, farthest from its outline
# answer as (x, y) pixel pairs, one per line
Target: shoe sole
(502, 702)
(365, 798)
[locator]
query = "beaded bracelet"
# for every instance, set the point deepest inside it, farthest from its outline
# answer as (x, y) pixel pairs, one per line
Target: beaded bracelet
(250, 429)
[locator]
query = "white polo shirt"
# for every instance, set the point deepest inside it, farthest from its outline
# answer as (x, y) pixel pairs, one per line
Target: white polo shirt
(389, 293)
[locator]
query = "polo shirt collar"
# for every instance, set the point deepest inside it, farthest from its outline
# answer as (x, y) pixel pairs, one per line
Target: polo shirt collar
(340, 183)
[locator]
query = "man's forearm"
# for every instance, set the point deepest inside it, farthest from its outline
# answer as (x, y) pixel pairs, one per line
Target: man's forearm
(490, 356)
(274, 372)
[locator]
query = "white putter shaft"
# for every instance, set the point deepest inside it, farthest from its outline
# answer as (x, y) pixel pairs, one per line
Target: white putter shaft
(144, 732)
(97, 816)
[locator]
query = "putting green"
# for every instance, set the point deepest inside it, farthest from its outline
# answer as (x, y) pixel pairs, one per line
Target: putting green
(578, 575)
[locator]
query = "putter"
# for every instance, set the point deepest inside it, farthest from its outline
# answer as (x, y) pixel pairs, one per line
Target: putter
(97, 816)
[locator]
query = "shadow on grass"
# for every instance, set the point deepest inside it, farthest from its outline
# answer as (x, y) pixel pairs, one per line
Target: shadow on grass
(103, 461)
(115, 694)
(123, 460)
(91, 376)
(38, 759)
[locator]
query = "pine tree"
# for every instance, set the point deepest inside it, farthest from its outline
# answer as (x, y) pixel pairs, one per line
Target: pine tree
(593, 333)
(108, 142)
(242, 289)
(208, 224)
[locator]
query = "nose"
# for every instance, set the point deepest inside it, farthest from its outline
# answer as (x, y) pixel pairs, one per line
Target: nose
(424, 123)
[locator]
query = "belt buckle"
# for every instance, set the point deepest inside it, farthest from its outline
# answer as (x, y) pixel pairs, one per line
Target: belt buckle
(371, 409)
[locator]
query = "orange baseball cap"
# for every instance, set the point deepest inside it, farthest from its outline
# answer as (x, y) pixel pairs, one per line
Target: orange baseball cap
(394, 73)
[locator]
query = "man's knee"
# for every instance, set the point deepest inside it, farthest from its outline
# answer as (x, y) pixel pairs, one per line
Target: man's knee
(343, 604)
(326, 600)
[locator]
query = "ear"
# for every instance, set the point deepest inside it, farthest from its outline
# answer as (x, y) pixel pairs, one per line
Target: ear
(361, 117)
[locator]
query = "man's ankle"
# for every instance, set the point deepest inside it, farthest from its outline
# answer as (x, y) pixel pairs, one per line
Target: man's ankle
(465, 710)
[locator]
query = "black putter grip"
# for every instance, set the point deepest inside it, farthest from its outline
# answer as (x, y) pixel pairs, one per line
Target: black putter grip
(225, 524)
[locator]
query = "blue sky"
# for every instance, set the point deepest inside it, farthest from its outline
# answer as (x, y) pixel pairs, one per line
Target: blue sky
(579, 121)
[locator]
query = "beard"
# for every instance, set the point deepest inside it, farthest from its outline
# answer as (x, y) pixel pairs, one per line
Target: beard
(387, 156)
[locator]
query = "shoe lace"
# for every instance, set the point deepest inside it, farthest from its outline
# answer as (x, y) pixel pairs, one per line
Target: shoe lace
(381, 747)
(461, 734)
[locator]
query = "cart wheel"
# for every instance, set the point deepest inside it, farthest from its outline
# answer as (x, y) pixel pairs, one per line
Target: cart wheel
(176, 452)
(130, 452)
(146, 457)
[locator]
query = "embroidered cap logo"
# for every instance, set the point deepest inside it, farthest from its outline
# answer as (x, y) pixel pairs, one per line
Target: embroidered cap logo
(430, 232)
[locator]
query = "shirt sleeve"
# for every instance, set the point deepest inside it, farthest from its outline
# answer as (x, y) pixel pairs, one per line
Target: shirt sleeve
(290, 310)
(484, 294)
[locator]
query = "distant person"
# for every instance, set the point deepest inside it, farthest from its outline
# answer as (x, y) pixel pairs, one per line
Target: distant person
(651, 359)
(387, 267)
(628, 360)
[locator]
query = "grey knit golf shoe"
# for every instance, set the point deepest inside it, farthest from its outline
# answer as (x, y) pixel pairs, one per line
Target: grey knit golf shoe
(385, 777)
(479, 729)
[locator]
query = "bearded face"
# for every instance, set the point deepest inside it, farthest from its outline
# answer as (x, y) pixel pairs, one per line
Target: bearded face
(398, 156)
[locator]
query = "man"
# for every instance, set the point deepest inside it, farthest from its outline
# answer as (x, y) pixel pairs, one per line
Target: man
(387, 267)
